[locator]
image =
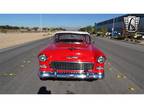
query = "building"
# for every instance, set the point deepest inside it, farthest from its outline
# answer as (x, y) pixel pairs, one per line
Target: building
(117, 24)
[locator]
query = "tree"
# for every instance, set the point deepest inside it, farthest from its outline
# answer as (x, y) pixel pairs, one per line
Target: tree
(35, 28)
(102, 31)
(90, 29)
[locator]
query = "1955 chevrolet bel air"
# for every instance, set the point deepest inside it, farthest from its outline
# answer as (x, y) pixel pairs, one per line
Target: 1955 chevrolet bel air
(71, 55)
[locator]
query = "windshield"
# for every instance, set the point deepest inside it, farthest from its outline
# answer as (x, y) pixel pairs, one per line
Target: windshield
(70, 37)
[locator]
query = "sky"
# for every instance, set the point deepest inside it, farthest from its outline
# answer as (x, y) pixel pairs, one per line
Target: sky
(54, 20)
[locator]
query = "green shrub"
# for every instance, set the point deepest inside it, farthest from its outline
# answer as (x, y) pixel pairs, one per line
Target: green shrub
(3, 30)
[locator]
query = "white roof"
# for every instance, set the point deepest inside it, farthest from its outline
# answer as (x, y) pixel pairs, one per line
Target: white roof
(76, 32)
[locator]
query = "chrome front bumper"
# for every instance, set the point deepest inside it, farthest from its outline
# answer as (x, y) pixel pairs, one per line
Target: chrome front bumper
(86, 75)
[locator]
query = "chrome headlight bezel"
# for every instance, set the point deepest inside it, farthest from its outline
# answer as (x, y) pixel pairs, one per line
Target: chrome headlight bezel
(42, 57)
(101, 59)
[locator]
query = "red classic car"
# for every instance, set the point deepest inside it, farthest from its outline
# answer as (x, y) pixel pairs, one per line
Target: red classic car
(71, 55)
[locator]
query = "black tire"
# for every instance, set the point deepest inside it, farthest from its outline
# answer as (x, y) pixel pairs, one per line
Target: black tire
(43, 79)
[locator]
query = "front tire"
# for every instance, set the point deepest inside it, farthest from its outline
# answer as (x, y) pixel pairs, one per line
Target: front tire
(43, 79)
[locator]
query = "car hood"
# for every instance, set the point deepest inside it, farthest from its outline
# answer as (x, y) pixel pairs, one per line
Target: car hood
(70, 52)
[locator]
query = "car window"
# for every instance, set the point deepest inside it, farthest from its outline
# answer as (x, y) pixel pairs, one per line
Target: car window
(69, 37)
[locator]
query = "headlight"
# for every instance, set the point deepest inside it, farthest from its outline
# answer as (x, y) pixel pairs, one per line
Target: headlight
(42, 57)
(101, 59)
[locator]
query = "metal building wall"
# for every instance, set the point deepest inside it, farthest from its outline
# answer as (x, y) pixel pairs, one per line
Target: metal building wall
(119, 23)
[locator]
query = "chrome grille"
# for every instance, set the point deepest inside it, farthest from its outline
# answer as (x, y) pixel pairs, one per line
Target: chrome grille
(71, 66)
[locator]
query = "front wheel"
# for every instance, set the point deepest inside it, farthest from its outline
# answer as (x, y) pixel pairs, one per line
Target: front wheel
(43, 79)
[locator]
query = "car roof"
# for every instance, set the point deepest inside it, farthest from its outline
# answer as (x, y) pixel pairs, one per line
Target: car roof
(76, 32)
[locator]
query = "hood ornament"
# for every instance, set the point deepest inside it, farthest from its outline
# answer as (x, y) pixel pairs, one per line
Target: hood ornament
(72, 57)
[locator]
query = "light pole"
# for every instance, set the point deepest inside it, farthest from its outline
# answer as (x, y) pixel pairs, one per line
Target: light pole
(40, 22)
(113, 26)
(95, 27)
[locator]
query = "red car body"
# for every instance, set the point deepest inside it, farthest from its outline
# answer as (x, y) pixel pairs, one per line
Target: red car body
(71, 58)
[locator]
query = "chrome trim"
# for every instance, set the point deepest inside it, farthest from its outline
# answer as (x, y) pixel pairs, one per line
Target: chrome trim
(85, 75)
(43, 66)
(72, 57)
(100, 68)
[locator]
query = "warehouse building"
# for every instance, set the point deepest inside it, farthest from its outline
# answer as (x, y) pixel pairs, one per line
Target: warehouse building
(117, 24)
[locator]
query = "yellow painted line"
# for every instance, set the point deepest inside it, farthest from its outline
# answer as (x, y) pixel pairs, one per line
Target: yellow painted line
(7, 74)
(120, 76)
(12, 74)
(21, 65)
(28, 61)
(131, 88)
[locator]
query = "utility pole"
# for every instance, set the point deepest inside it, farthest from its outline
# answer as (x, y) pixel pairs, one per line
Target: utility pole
(95, 27)
(40, 22)
(113, 26)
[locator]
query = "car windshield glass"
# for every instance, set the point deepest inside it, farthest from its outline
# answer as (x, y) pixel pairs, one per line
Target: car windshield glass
(68, 37)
